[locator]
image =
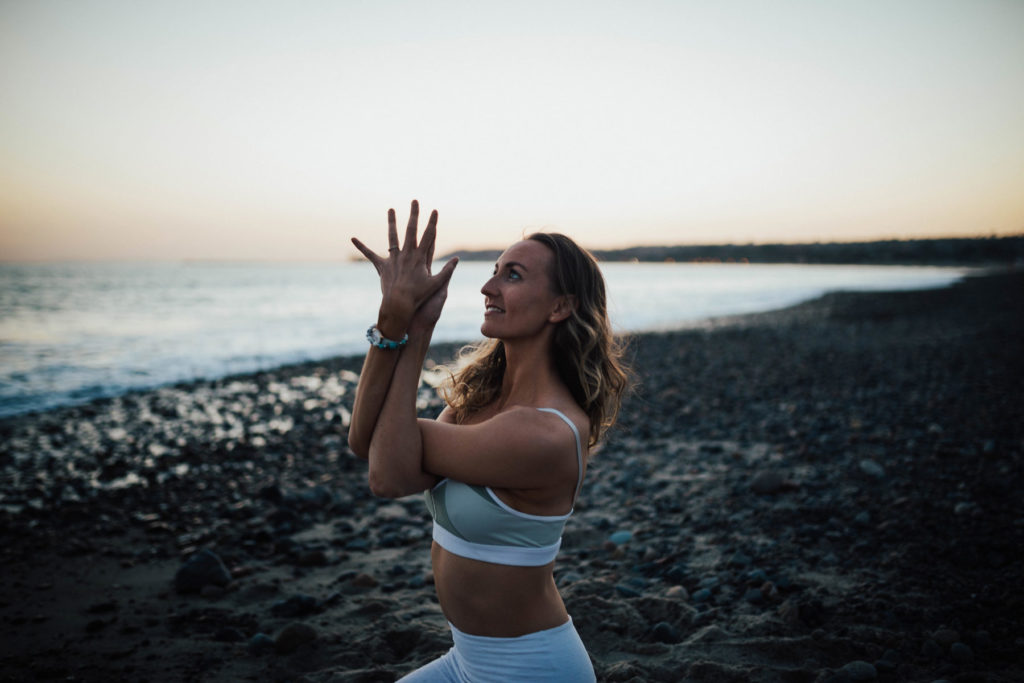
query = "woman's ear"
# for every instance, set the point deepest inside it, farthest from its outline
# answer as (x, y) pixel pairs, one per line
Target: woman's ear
(564, 306)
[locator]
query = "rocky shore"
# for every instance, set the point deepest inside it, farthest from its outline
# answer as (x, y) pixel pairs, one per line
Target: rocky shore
(826, 493)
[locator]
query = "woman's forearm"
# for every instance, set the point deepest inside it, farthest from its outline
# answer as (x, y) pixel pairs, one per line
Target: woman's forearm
(374, 380)
(395, 451)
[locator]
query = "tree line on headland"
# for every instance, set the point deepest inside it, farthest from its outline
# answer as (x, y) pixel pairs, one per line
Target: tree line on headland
(968, 251)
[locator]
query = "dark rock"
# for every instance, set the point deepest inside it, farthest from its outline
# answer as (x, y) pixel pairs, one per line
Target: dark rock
(212, 592)
(364, 581)
(664, 632)
(757, 576)
(202, 569)
(709, 582)
(739, 559)
(315, 497)
(768, 482)
(961, 653)
(261, 644)
(358, 544)
(871, 469)
(295, 606)
(228, 634)
(627, 591)
(859, 671)
(293, 636)
(313, 558)
(620, 537)
(271, 493)
(931, 649)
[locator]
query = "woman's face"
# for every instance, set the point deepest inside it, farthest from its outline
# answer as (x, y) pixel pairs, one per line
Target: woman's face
(519, 298)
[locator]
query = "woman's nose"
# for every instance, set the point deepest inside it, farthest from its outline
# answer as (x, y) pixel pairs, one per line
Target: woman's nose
(488, 289)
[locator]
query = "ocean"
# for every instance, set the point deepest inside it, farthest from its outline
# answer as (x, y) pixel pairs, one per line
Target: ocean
(72, 332)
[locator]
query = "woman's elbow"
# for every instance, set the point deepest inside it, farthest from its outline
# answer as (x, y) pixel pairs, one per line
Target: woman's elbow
(385, 487)
(358, 446)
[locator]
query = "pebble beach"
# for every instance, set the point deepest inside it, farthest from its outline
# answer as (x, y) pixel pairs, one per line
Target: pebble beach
(825, 493)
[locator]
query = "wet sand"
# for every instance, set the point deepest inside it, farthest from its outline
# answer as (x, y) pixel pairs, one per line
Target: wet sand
(826, 493)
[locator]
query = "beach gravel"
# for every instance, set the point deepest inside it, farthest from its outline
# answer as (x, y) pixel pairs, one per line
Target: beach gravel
(828, 492)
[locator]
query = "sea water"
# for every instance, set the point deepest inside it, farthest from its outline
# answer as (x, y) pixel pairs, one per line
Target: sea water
(71, 332)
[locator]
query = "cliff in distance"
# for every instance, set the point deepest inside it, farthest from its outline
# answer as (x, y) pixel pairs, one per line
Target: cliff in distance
(970, 251)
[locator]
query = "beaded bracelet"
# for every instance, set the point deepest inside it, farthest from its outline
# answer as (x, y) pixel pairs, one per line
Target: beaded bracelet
(375, 338)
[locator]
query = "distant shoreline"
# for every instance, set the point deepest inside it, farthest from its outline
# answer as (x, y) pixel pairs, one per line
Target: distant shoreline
(969, 251)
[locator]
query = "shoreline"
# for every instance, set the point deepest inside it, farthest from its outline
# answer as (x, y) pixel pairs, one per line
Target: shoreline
(798, 495)
(41, 386)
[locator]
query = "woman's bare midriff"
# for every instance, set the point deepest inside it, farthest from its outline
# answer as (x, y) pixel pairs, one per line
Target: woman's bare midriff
(471, 593)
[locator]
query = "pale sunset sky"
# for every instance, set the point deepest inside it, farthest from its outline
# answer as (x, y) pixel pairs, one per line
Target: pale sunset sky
(277, 130)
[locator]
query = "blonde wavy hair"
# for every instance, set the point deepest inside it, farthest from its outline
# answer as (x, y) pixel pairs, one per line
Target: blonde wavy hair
(588, 356)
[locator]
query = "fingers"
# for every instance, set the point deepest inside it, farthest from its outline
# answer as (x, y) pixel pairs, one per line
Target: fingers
(392, 231)
(367, 252)
(410, 229)
(446, 272)
(429, 239)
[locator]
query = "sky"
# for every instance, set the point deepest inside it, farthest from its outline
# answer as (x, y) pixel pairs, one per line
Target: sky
(277, 130)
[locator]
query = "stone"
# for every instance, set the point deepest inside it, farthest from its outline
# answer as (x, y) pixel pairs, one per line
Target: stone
(313, 558)
(627, 591)
(664, 632)
(202, 569)
(931, 649)
(295, 606)
(789, 612)
(677, 592)
(872, 469)
(859, 671)
(757, 576)
(293, 636)
(228, 634)
(620, 537)
(261, 644)
(364, 581)
(885, 666)
(946, 637)
(212, 592)
(963, 508)
(961, 653)
(739, 559)
(567, 578)
(768, 482)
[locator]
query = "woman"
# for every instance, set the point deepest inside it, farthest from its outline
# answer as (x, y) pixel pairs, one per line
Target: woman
(503, 463)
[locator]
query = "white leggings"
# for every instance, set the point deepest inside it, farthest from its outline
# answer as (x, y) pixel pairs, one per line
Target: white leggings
(555, 654)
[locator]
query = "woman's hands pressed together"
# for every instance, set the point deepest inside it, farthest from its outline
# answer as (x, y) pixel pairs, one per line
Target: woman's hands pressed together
(412, 296)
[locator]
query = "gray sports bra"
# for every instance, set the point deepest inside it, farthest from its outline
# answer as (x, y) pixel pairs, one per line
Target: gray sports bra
(471, 521)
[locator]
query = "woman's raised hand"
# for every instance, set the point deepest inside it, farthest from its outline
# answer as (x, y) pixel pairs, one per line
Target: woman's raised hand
(406, 282)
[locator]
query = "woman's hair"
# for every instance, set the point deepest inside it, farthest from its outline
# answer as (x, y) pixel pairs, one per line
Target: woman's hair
(586, 353)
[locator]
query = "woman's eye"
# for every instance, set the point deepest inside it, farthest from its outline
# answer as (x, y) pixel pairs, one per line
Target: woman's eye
(513, 275)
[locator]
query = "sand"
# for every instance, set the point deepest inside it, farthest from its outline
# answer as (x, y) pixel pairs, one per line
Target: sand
(826, 493)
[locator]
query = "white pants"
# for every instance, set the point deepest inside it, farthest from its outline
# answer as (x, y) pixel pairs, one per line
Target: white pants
(555, 654)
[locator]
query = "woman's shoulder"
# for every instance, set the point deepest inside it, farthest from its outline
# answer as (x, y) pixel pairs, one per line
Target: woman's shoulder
(554, 414)
(531, 418)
